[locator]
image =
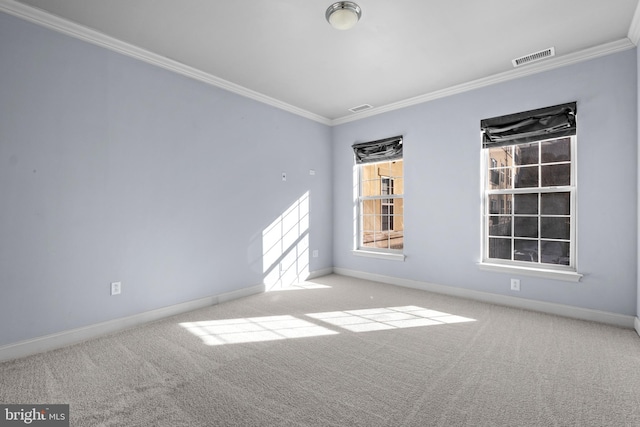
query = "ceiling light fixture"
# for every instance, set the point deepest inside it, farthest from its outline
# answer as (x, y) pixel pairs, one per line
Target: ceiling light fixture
(343, 15)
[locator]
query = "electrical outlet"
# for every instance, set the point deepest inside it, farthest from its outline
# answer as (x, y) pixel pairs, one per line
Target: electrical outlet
(515, 284)
(315, 253)
(284, 176)
(116, 288)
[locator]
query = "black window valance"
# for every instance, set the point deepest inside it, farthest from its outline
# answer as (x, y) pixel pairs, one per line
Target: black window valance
(529, 126)
(378, 151)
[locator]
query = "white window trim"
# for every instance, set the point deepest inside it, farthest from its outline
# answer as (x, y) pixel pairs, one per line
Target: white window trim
(380, 255)
(566, 273)
(359, 249)
(567, 276)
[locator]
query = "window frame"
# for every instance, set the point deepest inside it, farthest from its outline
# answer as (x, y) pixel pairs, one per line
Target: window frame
(538, 268)
(359, 248)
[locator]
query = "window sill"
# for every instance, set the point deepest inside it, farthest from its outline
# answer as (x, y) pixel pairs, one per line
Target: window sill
(379, 255)
(567, 276)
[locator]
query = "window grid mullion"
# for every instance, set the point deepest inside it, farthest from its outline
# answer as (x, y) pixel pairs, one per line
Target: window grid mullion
(539, 200)
(529, 190)
(513, 228)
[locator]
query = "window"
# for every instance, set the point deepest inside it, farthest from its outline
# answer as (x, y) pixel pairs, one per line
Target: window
(529, 213)
(381, 206)
(380, 196)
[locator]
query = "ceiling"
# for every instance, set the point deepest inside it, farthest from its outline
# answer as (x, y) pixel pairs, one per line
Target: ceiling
(285, 53)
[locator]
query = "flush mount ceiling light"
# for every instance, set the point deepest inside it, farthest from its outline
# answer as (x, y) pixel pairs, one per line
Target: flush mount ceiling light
(343, 15)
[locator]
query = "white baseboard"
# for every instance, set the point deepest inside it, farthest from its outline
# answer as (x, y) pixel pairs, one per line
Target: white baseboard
(319, 273)
(240, 293)
(74, 336)
(540, 306)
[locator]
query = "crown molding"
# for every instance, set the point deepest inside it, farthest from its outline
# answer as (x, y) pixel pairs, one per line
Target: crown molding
(53, 22)
(634, 28)
(535, 68)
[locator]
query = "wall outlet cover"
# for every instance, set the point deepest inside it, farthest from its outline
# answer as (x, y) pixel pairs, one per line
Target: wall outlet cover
(116, 288)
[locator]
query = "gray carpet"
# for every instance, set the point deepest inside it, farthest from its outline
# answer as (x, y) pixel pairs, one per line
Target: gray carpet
(343, 352)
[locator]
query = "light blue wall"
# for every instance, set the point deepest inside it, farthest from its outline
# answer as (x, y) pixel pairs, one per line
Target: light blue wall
(115, 170)
(442, 190)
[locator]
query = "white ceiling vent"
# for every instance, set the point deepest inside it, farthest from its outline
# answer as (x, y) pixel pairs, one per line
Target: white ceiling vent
(360, 108)
(533, 57)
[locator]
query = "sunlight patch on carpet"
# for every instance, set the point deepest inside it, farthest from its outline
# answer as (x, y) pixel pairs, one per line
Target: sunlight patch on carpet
(379, 319)
(254, 329)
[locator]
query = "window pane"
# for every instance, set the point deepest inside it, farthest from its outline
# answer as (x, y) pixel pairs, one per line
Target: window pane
(500, 248)
(554, 175)
(398, 211)
(500, 178)
(389, 169)
(387, 217)
(526, 154)
(556, 203)
(398, 186)
(526, 177)
(558, 150)
(368, 230)
(368, 239)
(555, 227)
(396, 240)
(368, 171)
(501, 156)
(555, 252)
(371, 187)
(370, 180)
(386, 186)
(525, 250)
(525, 226)
(370, 207)
(500, 204)
(499, 226)
(526, 203)
(397, 168)
(494, 178)
(373, 239)
(369, 223)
